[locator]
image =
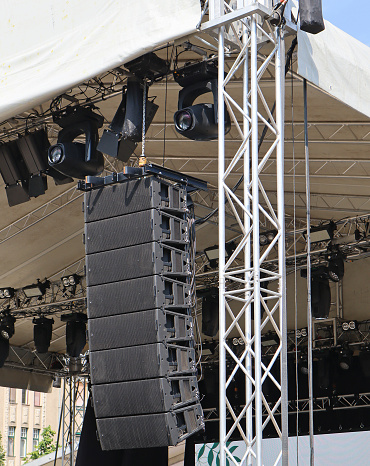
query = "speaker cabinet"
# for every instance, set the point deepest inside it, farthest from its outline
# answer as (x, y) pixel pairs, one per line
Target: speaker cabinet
(139, 328)
(129, 230)
(134, 196)
(135, 262)
(147, 431)
(141, 362)
(138, 273)
(144, 396)
(139, 294)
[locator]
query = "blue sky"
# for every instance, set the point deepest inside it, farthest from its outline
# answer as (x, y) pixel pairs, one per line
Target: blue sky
(350, 16)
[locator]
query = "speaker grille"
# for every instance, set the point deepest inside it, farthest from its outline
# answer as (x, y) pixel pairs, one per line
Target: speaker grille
(140, 362)
(134, 262)
(138, 294)
(144, 396)
(133, 196)
(136, 228)
(147, 431)
(139, 328)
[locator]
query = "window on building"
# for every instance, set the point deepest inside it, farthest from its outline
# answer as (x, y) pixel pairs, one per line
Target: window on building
(23, 452)
(11, 433)
(12, 395)
(36, 438)
(24, 397)
(37, 399)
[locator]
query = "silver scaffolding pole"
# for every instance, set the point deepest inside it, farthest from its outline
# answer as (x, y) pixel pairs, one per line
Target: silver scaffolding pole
(253, 291)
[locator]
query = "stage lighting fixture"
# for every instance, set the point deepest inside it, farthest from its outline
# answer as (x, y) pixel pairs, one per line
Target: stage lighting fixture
(200, 121)
(125, 131)
(267, 237)
(133, 123)
(303, 364)
(311, 18)
(75, 333)
(364, 359)
(57, 382)
(323, 369)
(345, 358)
(320, 297)
(6, 293)
(111, 142)
(270, 339)
(36, 290)
(302, 333)
(70, 280)
(38, 144)
(335, 265)
(75, 159)
(36, 162)
(14, 173)
(42, 332)
(4, 350)
(148, 66)
(6, 325)
(195, 73)
(210, 312)
(212, 253)
(350, 325)
(238, 341)
(321, 233)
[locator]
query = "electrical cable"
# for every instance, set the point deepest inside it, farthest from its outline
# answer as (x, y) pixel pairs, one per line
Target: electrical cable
(295, 257)
(289, 54)
(165, 108)
(193, 304)
(309, 304)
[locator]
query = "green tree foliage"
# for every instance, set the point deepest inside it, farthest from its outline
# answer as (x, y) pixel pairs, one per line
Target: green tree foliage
(45, 445)
(2, 452)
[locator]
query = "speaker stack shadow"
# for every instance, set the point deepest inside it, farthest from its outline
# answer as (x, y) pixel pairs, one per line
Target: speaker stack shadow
(139, 269)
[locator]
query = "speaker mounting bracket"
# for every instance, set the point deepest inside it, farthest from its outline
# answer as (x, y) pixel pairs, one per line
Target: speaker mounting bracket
(192, 183)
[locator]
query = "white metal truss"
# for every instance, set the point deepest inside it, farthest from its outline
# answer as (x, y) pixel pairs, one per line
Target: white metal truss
(321, 132)
(44, 211)
(360, 400)
(339, 170)
(350, 401)
(253, 294)
(57, 299)
(74, 404)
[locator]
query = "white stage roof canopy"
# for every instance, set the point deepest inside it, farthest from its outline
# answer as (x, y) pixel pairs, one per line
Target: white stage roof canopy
(338, 64)
(50, 46)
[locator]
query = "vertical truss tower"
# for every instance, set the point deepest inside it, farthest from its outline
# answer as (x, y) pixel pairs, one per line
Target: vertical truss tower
(73, 411)
(252, 298)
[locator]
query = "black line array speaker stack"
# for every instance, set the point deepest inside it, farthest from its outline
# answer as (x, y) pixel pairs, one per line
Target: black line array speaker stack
(138, 272)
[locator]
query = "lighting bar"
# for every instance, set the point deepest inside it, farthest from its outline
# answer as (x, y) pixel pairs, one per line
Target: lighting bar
(321, 233)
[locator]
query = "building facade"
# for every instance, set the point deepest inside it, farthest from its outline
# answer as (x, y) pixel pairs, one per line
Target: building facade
(23, 416)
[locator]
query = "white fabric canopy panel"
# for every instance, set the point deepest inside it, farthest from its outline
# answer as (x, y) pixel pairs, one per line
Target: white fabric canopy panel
(338, 64)
(50, 46)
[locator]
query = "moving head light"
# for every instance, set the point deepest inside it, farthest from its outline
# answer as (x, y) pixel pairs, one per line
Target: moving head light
(198, 122)
(76, 159)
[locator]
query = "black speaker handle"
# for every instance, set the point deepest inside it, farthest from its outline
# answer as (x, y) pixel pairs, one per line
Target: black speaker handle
(188, 94)
(87, 127)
